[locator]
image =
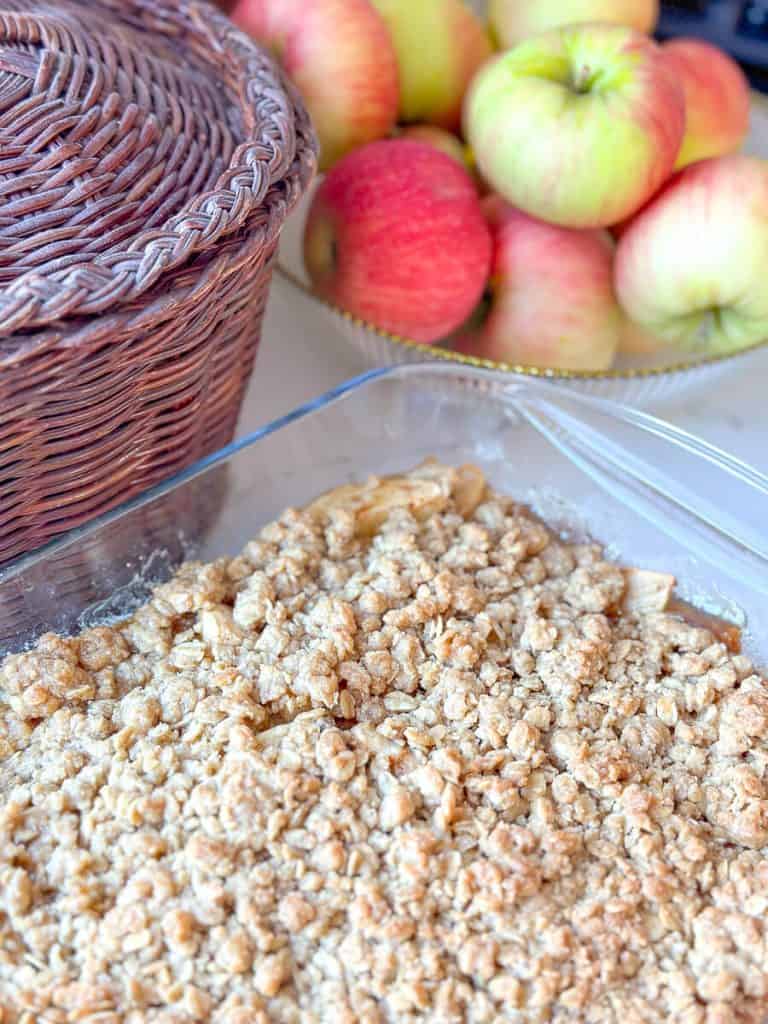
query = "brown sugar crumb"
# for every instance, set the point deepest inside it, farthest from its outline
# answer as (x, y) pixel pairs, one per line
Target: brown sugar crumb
(408, 757)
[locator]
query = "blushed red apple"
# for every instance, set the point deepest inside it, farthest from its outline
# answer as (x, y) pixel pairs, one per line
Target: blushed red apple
(578, 126)
(396, 236)
(691, 267)
(553, 303)
(717, 99)
(340, 55)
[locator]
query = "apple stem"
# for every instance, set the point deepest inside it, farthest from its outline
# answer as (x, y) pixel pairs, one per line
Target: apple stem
(582, 80)
(711, 323)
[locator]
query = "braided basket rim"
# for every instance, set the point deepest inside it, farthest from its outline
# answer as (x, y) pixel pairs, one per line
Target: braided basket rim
(90, 331)
(106, 281)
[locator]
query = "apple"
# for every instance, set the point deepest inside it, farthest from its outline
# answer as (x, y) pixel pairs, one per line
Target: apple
(617, 230)
(396, 236)
(691, 267)
(341, 58)
(635, 340)
(442, 140)
(579, 126)
(465, 342)
(448, 143)
(717, 99)
(552, 298)
(511, 21)
(439, 45)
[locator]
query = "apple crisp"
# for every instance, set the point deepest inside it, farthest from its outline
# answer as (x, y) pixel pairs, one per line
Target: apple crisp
(409, 757)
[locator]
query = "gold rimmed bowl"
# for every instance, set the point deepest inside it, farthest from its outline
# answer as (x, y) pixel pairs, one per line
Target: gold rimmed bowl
(634, 379)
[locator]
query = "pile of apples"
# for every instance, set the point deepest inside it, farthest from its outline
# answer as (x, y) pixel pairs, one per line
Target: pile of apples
(553, 189)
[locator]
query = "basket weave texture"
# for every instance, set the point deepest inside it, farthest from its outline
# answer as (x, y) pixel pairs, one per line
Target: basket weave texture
(149, 155)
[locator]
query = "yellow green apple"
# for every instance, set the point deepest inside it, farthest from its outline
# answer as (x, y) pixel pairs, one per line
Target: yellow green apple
(340, 56)
(442, 140)
(717, 99)
(511, 21)
(439, 45)
(691, 267)
(579, 126)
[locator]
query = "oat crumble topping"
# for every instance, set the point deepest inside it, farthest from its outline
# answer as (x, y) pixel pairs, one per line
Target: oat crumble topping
(406, 758)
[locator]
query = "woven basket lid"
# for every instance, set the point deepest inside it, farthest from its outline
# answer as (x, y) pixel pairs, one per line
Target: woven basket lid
(133, 135)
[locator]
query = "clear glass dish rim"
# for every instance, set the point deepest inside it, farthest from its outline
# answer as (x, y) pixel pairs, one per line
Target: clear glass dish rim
(429, 379)
(430, 373)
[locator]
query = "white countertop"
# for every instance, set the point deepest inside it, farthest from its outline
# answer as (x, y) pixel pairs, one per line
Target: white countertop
(301, 356)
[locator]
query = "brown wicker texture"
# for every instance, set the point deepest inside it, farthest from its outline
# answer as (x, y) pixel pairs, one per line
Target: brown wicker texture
(149, 155)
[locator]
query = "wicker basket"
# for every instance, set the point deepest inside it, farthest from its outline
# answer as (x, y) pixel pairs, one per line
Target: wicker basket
(149, 155)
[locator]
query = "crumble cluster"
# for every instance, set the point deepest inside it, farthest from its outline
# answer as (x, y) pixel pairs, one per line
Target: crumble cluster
(405, 759)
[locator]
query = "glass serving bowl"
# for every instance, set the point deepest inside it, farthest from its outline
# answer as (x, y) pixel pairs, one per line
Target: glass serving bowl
(637, 380)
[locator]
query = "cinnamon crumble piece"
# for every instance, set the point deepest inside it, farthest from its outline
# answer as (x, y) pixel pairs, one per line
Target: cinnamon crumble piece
(415, 763)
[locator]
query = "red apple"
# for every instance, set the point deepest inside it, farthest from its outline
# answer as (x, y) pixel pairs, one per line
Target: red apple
(465, 341)
(717, 99)
(396, 236)
(578, 126)
(553, 303)
(341, 57)
(691, 267)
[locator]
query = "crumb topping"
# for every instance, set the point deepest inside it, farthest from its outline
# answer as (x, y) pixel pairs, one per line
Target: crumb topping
(412, 759)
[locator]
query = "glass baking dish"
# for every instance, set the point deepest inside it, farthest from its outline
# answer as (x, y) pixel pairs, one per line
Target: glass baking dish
(656, 497)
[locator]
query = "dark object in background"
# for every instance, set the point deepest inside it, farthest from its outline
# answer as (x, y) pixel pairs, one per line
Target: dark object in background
(740, 27)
